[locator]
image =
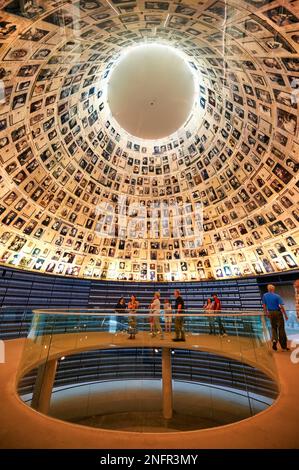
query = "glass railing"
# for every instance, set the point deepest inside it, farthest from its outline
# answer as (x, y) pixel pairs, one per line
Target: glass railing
(292, 324)
(14, 322)
(140, 371)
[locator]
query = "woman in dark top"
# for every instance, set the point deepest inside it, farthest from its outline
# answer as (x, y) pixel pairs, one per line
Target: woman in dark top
(179, 318)
(120, 309)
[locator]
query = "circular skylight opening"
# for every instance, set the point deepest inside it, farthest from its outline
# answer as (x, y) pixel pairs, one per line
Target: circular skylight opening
(152, 91)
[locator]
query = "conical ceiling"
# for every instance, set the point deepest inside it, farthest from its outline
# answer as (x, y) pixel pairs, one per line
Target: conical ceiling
(82, 196)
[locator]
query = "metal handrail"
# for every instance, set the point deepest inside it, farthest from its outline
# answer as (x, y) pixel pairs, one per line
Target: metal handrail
(144, 311)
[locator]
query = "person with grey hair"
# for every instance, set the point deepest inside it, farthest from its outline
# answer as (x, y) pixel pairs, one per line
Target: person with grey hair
(155, 308)
(274, 309)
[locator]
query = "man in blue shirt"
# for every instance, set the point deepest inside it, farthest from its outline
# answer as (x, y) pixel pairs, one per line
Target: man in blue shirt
(274, 309)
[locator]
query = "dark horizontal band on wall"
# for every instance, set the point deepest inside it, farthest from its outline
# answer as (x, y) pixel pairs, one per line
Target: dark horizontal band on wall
(21, 291)
(145, 363)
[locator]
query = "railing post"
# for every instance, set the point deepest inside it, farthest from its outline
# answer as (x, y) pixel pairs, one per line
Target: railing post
(167, 383)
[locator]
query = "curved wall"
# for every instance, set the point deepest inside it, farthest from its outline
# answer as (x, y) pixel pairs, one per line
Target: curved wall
(145, 363)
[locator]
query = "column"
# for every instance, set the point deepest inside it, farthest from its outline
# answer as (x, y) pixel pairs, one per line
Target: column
(167, 383)
(43, 386)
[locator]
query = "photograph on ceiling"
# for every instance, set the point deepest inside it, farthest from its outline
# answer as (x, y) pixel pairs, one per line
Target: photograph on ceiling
(6, 28)
(272, 63)
(279, 44)
(292, 165)
(26, 8)
(60, 17)
(4, 141)
(89, 5)
(284, 98)
(291, 64)
(34, 34)
(282, 173)
(175, 21)
(27, 70)
(290, 261)
(281, 16)
(286, 121)
(254, 26)
(19, 101)
(155, 5)
(109, 25)
(15, 54)
(153, 19)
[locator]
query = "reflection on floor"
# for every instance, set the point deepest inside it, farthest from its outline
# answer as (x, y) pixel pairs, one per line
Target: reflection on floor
(135, 405)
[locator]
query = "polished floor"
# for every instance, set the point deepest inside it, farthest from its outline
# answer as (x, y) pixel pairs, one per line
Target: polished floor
(136, 405)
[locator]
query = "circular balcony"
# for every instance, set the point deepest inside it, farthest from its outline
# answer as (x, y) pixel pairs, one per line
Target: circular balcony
(86, 367)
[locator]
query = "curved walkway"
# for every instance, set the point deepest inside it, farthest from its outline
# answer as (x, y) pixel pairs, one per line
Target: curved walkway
(23, 427)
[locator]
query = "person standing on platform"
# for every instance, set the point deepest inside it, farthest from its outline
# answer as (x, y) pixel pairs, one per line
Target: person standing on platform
(155, 312)
(151, 320)
(132, 307)
(274, 309)
(167, 316)
(217, 309)
(120, 310)
(209, 308)
(179, 318)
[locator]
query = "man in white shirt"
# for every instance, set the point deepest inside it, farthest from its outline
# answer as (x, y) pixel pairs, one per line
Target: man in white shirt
(155, 312)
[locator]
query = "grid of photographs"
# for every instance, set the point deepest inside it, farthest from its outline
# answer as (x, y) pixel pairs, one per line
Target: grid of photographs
(69, 172)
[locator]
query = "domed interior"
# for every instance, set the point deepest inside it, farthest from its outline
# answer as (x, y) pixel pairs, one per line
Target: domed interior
(206, 187)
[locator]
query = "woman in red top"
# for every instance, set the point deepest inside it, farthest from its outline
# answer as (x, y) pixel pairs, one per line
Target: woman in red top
(217, 309)
(132, 307)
